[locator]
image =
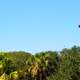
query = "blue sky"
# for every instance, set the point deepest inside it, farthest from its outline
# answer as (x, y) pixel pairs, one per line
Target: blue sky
(39, 25)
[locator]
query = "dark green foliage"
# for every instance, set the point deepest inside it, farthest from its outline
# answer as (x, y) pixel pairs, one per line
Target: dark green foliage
(69, 67)
(47, 65)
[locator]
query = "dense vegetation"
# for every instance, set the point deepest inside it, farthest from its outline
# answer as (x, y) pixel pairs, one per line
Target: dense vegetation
(49, 65)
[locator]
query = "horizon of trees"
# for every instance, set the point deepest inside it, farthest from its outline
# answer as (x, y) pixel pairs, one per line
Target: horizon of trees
(48, 65)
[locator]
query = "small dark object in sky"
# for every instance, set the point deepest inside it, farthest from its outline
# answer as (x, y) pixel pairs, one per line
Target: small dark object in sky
(79, 26)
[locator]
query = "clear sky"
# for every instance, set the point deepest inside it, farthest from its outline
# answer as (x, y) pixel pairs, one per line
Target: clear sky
(39, 25)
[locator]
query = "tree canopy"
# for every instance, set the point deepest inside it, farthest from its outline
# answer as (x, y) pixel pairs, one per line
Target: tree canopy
(48, 65)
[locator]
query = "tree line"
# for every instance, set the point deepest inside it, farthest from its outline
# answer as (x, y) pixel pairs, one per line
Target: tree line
(48, 65)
